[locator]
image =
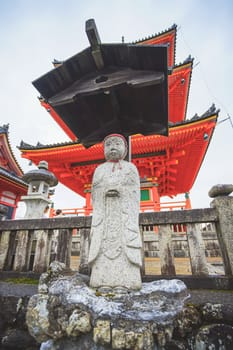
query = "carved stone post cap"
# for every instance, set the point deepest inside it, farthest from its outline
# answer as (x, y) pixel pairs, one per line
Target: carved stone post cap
(220, 190)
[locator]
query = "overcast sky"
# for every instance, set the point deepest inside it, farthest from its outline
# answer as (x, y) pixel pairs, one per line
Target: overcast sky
(33, 33)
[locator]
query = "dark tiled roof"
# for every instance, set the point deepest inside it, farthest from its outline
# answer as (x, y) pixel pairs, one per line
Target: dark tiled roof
(189, 59)
(112, 88)
(4, 129)
(12, 176)
(157, 35)
(26, 146)
(174, 26)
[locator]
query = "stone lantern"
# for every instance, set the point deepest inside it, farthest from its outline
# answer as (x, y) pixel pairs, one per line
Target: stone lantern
(39, 180)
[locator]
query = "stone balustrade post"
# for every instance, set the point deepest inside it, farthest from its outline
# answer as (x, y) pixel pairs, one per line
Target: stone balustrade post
(41, 252)
(196, 250)
(84, 250)
(223, 204)
(21, 253)
(143, 270)
(64, 243)
(4, 247)
(166, 250)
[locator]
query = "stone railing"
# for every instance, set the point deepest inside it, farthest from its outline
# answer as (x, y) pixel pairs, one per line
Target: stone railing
(30, 245)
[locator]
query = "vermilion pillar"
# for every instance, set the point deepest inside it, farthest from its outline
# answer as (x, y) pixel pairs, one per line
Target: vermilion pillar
(187, 201)
(88, 206)
(155, 197)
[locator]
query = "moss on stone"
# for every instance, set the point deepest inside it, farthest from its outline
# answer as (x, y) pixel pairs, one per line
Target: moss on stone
(22, 280)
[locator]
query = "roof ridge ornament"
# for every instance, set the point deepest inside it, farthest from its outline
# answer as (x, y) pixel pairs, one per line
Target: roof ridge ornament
(94, 40)
(4, 128)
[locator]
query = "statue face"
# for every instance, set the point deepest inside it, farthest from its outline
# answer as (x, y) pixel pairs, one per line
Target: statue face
(114, 148)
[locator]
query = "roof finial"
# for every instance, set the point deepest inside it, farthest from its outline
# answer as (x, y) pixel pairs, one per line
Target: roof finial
(94, 40)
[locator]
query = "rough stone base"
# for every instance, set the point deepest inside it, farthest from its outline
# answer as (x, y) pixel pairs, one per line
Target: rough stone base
(13, 329)
(207, 324)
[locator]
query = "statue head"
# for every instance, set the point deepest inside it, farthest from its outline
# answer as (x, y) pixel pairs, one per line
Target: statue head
(115, 147)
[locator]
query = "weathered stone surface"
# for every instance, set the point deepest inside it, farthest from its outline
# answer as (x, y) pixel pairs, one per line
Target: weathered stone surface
(39, 181)
(197, 250)
(218, 336)
(166, 251)
(177, 345)
(79, 322)
(4, 245)
(102, 332)
(12, 318)
(115, 250)
(84, 342)
(139, 341)
(84, 252)
(187, 319)
(35, 205)
(220, 190)
(146, 341)
(224, 207)
(17, 339)
(38, 317)
(20, 261)
(13, 330)
(130, 340)
(41, 251)
(218, 313)
(67, 307)
(164, 334)
(212, 311)
(153, 319)
(118, 339)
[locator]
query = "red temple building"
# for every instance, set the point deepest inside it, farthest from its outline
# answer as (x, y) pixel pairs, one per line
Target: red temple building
(12, 187)
(167, 165)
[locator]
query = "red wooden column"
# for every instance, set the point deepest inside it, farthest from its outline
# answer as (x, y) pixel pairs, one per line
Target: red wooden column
(155, 197)
(88, 206)
(187, 201)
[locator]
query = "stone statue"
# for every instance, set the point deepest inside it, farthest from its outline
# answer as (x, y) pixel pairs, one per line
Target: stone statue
(115, 250)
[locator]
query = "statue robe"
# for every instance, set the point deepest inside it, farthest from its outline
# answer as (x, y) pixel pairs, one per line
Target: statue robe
(115, 250)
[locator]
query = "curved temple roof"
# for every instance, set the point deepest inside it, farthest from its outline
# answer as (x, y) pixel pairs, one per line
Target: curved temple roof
(178, 82)
(10, 171)
(170, 162)
(109, 88)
